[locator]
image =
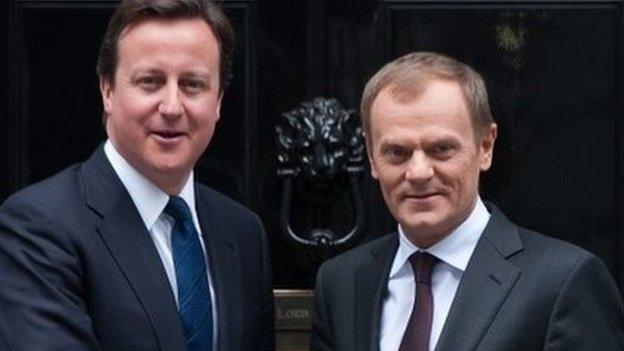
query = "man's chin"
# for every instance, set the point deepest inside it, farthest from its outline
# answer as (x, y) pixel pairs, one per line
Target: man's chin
(423, 204)
(426, 225)
(425, 239)
(168, 162)
(165, 168)
(421, 227)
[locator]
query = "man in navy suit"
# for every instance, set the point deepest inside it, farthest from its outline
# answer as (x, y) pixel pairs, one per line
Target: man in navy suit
(457, 275)
(125, 251)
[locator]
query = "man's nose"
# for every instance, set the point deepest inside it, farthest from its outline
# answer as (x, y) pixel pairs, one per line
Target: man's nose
(171, 104)
(419, 168)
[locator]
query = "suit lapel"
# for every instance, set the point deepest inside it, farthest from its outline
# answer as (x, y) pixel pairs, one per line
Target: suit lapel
(371, 280)
(487, 281)
(225, 273)
(130, 244)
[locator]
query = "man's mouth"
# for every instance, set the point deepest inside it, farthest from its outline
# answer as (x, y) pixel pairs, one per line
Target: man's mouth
(423, 196)
(168, 137)
(167, 134)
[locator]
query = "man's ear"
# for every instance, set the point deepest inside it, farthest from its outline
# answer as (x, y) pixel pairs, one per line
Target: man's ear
(219, 104)
(487, 147)
(106, 90)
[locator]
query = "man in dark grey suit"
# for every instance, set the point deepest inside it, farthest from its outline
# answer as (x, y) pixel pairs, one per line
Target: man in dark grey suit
(458, 275)
(125, 251)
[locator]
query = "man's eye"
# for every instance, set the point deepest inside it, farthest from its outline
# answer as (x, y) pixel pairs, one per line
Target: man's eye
(443, 150)
(150, 83)
(194, 86)
(395, 154)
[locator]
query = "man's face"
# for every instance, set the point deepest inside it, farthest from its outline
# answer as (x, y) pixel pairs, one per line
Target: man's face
(165, 102)
(425, 155)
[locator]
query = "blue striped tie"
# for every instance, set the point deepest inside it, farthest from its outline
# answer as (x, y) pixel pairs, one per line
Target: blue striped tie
(193, 293)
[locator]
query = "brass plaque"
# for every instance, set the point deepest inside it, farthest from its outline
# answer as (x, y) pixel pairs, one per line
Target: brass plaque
(293, 319)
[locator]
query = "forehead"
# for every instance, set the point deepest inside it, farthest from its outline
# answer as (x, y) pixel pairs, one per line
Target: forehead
(438, 109)
(169, 35)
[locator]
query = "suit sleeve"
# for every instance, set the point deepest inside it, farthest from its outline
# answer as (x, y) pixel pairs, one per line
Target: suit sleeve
(42, 303)
(321, 337)
(588, 312)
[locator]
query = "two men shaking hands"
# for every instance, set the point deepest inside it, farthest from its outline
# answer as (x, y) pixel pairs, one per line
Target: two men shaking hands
(125, 251)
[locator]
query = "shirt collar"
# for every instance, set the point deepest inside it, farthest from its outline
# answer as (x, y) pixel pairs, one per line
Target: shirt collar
(455, 249)
(149, 199)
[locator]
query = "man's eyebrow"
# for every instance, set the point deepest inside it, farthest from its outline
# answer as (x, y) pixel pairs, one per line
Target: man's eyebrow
(144, 70)
(388, 141)
(442, 140)
(197, 74)
(393, 142)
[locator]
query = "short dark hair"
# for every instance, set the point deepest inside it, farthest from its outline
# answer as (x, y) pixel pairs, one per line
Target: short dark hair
(414, 71)
(130, 12)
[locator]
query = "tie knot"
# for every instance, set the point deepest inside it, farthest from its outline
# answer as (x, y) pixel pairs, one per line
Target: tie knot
(178, 209)
(422, 264)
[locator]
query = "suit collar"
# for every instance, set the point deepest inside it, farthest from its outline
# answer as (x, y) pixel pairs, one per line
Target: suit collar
(371, 280)
(100, 185)
(129, 243)
(455, 249)
(148, 198)
(224, 268)
(123, 231)
(486, 283)
(501, 233)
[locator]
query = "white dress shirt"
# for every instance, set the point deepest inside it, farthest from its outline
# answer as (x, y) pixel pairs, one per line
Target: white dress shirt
(453, 253)
(150, 201)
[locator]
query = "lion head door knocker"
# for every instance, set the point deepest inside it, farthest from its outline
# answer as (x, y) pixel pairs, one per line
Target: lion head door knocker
(321, 148)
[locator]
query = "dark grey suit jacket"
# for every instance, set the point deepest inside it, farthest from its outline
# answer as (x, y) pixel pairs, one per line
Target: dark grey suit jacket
(521, 291)
(80, 271)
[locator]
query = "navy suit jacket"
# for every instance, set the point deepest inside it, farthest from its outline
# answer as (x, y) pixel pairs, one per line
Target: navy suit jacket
(80, 271)
(521, 291)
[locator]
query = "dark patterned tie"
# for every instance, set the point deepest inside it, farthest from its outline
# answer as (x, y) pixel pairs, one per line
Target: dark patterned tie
(418, 330)
(193, 292)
